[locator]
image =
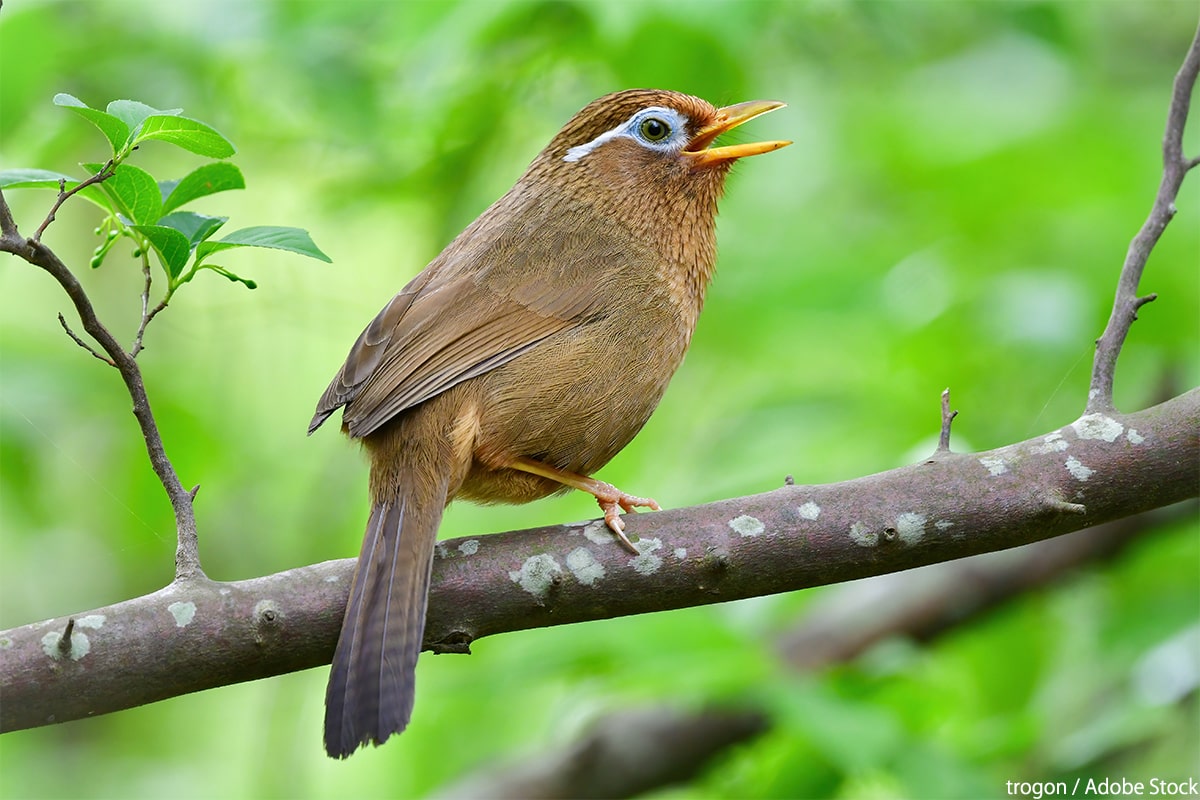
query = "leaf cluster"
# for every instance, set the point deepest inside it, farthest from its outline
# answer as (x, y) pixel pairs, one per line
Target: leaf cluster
(148, 211)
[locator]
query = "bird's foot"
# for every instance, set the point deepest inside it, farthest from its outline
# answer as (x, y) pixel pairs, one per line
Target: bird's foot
(611, 499)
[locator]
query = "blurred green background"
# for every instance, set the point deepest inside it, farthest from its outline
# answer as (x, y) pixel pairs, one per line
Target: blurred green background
(964, 184)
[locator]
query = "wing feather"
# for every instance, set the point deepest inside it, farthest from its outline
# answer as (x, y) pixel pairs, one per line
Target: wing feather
(457, 320)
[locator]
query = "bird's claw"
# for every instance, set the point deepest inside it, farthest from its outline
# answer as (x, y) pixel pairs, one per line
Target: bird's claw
(611, 499)
(628, 503)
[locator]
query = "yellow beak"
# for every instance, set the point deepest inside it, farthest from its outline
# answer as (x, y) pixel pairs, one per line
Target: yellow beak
(727, 119)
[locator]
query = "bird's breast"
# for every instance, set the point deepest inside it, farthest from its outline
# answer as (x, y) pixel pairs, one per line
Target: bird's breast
(576, 399)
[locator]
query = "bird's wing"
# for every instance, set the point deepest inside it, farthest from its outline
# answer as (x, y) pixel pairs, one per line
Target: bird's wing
(453, 323)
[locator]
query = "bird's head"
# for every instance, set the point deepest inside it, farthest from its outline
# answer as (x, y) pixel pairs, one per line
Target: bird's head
(657, 130)
(643, 158)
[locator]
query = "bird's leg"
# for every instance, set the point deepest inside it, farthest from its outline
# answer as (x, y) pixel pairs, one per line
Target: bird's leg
(609, 497)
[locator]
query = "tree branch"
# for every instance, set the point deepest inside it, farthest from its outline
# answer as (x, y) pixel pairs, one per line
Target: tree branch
(924, 603)
(1126, 303)
(187, 558)
(921, 604)
(198, 634)
(625, 754)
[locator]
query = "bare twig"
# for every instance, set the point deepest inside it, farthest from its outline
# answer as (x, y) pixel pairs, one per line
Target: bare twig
(187, 557)
(64, 641)
(1127, 302)
(147, 280)
(148, 314)
(75, 337)
(64, 194)
(947, 417)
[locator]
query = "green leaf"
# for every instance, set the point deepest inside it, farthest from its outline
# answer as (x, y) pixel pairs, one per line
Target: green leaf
(133, 113)
(295, 240)
(196, 227)
(135, 193)
(34, 179)
(172, 246)
(114, 128)
(45, 179)
(209, 179)
(192, 135)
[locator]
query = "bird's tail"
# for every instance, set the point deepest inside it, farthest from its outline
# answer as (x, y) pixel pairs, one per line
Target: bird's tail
(370, 693)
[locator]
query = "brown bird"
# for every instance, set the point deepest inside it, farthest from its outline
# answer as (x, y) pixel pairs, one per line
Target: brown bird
(522, 359)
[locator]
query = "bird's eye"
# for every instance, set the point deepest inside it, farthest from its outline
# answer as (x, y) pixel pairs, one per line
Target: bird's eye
(654, 129)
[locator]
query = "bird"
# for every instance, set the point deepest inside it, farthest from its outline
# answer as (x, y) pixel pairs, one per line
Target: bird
(521, 360)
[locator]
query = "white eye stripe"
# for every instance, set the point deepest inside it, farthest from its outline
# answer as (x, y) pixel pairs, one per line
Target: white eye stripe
(629, 127)
(580, 150)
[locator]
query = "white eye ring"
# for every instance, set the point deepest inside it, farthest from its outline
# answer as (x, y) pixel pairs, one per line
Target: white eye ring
(653, 129)
(674, 140)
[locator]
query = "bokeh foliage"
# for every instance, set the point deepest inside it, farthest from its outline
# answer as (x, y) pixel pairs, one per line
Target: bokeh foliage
(965, 180)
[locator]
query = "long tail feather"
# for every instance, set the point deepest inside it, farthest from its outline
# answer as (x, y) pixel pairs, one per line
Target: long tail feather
(371, 686)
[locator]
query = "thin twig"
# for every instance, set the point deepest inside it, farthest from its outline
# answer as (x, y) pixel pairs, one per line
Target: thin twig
(74, 337)
(64, 194)
(947, 417)
(154, 312)
(147, 280)
(148, 314)
(1127, 302)
(187, 557)
(64, 641)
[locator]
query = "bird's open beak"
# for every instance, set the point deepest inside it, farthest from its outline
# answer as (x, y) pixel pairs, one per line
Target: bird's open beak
(727, 119)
